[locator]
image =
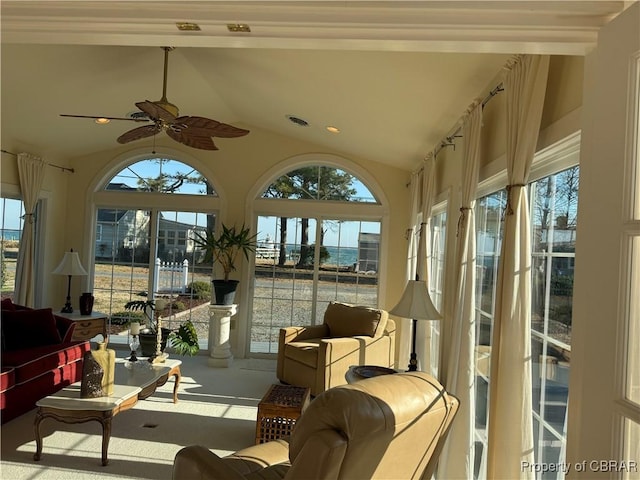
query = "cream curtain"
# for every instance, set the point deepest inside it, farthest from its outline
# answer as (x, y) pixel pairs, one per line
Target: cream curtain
(422, 188)
(458, 372)
(510, 440)
(424, 331)
(31, 172)
(404, 343)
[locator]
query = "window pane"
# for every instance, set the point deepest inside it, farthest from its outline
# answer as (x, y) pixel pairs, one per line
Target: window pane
(11, 223)
(553, 215)
(161, 175)
(489, 225)
(320, 182)
(121, 265)
(631, 469)
(182, 274)
(633, 347)
(302, 265)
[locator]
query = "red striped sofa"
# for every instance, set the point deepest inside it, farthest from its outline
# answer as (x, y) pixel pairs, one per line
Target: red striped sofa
(38, 357)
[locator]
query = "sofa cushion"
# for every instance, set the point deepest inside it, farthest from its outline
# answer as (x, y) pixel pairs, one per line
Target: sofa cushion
(305, 352)
(29, 328)
(7, 378)
(346, 320)
(32, 362)
(7, 304)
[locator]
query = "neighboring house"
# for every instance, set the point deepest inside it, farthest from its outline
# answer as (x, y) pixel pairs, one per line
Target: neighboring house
(123, 233)
(175, 239)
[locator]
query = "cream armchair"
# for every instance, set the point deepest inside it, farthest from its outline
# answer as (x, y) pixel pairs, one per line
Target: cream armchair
(319, 356)
(385, 427)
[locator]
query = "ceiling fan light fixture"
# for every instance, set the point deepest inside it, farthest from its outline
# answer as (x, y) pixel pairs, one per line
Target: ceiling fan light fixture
(333, 129)
(102, 121)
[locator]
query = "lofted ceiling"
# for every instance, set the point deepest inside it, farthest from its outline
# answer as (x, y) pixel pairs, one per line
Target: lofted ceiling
(393, 76)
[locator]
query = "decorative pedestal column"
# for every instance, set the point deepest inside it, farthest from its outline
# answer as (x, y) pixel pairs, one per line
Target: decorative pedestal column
(219, 327)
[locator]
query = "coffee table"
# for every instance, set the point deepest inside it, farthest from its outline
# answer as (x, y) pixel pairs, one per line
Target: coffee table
(133, 381)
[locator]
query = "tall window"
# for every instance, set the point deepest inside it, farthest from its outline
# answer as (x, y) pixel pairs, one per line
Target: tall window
(144, 249)
(489, 227)
(307, 257)
(436, 282)
(11, 223)
(554, 202)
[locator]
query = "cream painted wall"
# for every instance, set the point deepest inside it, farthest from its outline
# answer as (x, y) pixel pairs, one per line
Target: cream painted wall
(234, 171)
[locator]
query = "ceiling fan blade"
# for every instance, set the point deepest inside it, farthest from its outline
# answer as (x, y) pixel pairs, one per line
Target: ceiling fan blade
(108, 118)
(138, 133)
(203, 142)
(213, 127)
(155, 111)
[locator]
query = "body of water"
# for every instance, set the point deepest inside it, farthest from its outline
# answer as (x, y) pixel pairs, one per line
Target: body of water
(10, 234)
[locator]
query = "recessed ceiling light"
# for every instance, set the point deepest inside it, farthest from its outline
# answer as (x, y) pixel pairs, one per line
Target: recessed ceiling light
(188, 27)
(238, 27)
(333, 129)
(298, 121)
(102, 121)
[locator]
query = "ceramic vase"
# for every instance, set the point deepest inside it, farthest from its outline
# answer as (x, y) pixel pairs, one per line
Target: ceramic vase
(92, 374)
(106, 357)
(86, 303)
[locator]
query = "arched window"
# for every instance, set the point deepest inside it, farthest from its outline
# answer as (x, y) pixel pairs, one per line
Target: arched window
(319, 231)
(144, 221)
(162, 175)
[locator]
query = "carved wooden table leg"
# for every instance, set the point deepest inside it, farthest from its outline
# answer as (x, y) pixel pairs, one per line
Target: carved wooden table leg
(176, 382)
(106, 436)
(36, 427)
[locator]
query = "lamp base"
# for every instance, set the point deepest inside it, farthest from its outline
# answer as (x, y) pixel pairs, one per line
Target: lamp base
(67, 309)
(413, 363)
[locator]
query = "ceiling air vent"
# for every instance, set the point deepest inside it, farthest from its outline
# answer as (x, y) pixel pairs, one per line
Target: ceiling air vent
(298, 121)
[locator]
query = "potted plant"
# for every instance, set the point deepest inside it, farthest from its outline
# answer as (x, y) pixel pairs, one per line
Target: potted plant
(184, 340)
(224, 249)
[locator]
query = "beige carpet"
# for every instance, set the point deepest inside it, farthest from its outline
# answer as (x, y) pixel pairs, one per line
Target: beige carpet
(217, 408)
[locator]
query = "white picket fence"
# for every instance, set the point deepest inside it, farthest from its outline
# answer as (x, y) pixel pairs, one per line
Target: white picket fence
(171, 277)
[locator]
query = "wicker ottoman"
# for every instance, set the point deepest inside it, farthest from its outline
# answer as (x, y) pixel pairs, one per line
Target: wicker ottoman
(279, 410)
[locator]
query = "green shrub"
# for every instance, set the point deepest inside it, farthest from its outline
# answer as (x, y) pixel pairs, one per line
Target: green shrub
(125, 318)
(200, 290)
(178, 305)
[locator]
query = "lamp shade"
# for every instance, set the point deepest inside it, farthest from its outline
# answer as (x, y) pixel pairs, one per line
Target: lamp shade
(70, 265)
(416, 303)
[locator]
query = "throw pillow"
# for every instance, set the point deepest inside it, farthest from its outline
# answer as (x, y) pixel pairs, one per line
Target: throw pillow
(346, 320)
(7, 304)
(29, 328)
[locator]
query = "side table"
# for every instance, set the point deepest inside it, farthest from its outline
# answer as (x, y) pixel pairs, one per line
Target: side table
(87, 326)
(279, 410)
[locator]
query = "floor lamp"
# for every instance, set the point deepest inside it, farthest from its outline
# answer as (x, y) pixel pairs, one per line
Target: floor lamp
(70, 265)
(415, 304)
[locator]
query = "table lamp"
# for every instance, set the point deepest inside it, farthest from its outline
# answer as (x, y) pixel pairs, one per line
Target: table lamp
(415, 304)
(70, 265)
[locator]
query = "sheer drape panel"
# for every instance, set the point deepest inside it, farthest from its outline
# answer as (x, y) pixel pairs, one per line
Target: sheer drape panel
(31, 173)
(404, 341)
(510, 440)
(458, 370)
(424, 334)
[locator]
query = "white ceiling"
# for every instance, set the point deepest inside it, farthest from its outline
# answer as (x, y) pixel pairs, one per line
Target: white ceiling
(395, 77)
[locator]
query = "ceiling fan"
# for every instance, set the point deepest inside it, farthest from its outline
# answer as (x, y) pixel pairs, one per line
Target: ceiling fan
(196, 132)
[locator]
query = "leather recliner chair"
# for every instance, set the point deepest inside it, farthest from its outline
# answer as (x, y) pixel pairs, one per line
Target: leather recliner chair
(385, 427)
(319, 356)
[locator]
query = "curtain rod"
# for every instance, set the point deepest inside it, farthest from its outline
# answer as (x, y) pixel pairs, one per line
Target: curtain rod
(64, 169)
(455, 133)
